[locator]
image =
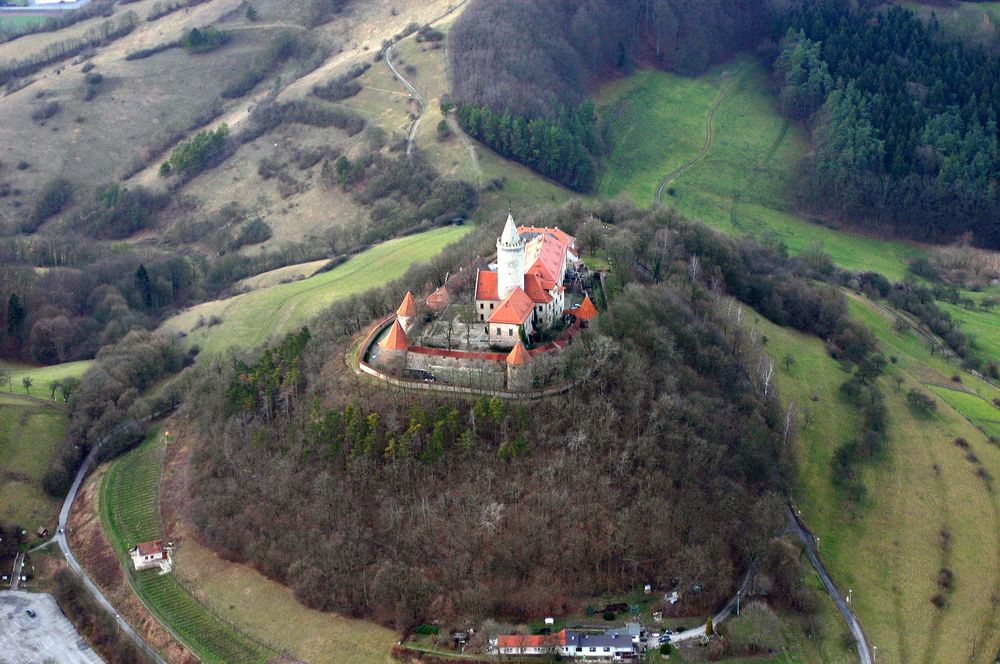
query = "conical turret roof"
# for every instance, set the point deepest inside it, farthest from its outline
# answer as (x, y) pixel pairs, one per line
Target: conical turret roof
(396, 339)
(510, 236)
(407, 309)
(587, 310)
(519, 355)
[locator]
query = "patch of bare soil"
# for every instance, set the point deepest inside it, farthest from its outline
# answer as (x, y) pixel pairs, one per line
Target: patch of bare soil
(95, 553)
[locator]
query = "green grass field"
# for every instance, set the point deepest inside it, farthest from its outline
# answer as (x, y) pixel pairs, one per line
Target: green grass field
(19, 23)
(982, 324)
(740, 186)
(250, 319)
(891, 553)
(980, 412)
(41, 377)
(130, 514)
(30, 433)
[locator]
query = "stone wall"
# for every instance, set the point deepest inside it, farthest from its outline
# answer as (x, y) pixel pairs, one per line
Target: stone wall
(481, 374)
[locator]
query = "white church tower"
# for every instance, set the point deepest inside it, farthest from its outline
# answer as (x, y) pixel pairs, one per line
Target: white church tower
(510, 259)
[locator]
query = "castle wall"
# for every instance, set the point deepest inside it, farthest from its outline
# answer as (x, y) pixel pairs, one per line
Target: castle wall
(471, 372)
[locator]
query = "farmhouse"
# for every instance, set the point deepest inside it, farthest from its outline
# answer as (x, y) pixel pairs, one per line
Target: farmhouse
(151, 554)
(526, 291)
(613, 645)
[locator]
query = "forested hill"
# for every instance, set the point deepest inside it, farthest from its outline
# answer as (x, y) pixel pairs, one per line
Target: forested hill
(520, 68)
(905, 122)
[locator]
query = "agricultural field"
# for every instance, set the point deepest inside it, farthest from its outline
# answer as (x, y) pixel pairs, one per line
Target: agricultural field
(41, 377)
(740, 185)
(982, 324)
(892, 550)
(31, 431)
(130, 513)
(16, 23)
(250, 319)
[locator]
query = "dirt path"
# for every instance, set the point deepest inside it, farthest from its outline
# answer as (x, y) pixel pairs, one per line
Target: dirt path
(709, 134)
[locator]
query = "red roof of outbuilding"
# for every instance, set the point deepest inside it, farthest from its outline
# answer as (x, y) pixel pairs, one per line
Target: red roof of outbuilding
(519, 355)
(535, 290)
(407, 309)
(587, 310)
(486, 286)
(396, 339)
(532, 641)
(153, 548)
(513, 309)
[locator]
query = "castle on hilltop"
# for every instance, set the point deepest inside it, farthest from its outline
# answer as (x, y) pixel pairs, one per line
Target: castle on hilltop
(518, 316)
(526, 291)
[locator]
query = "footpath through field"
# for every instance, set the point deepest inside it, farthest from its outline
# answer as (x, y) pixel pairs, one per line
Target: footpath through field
(683, 168)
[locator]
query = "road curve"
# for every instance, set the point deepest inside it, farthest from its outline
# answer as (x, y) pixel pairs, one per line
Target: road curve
(60, 539)
(414, 95)
(683, 168)
(794, 526)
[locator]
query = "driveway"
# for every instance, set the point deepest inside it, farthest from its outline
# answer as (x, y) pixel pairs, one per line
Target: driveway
(48, 637)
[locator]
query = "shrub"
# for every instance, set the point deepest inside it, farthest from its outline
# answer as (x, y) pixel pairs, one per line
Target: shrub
(920, 403)
(203, 40)
(609, 615)
(53, 197)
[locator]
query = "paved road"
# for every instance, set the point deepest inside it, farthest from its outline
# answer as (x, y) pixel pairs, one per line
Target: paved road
(796, 527)
(15, 578)
(709, 136)
(721, 616)
(60, 539)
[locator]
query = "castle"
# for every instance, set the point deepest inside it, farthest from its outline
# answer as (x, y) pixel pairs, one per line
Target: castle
(520, 295)
(526, 291)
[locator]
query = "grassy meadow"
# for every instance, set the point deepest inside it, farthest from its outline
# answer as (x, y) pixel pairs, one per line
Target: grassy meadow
(31, 431)
(927, 509)
(657, 123)
(250, 319)
(130, 514)
(41, 377)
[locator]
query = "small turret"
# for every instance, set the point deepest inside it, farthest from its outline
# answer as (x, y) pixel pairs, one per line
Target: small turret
(519, 370)
(407, 310)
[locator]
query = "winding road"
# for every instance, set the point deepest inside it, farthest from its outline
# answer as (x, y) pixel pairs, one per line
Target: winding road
(794, 526)
(686, 166)
(60, 539)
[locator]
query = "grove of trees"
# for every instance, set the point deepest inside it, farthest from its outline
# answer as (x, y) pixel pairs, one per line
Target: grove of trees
(904, 121)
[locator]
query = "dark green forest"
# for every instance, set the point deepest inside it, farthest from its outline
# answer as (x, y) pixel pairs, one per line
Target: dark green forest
(904, 121)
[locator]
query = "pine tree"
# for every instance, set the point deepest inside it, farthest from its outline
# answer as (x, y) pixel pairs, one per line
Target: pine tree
(144, 286)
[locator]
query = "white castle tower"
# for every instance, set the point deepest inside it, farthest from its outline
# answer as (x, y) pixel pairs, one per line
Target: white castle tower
(510, 259)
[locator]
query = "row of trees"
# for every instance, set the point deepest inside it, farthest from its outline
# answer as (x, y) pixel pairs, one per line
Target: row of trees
(905, 123)
(534, 60)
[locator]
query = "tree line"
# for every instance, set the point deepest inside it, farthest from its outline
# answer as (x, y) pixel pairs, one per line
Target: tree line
(904, 121)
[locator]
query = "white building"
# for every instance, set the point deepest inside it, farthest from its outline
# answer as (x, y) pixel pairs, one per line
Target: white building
(525, 292)
(151, 554)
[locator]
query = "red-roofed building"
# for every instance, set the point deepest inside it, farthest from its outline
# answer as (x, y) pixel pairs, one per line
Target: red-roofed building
(521, 644)
(407, 310)
(512, 316)
(396, 339)
(587, 310)
(533, 260)
(151, 554)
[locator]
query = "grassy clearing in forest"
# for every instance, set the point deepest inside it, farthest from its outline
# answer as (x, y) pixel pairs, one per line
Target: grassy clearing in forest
(658, 122)
(31, 431)
(130, 514)
(250, 319)
(892, 551)
(41, 377)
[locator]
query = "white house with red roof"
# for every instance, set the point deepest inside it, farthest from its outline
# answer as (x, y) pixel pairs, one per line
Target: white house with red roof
(151, 554)
(526, 290)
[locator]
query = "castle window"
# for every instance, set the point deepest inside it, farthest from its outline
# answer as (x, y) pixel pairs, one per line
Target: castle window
(481, 317)
(510, 332)
(481, 305)
(498, 332)
(491, 305)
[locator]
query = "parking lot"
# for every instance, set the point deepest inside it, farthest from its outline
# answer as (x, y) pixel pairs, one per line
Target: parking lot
(49, 637)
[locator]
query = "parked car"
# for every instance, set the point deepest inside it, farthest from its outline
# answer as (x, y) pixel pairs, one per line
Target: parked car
(31, 614)
(664, 639)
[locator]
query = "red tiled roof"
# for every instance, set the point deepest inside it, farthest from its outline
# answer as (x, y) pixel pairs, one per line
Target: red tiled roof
(396, 339)
(519, 355)
(439, 299)
(513, 309)
(544, 255)
(533, 287)
(486, 286)
(562, 236)
(532, 641)
(153, 548)
(587, 310)
(407, 309)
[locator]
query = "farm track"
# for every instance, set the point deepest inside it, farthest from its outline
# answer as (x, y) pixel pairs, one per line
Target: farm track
(709, 135)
